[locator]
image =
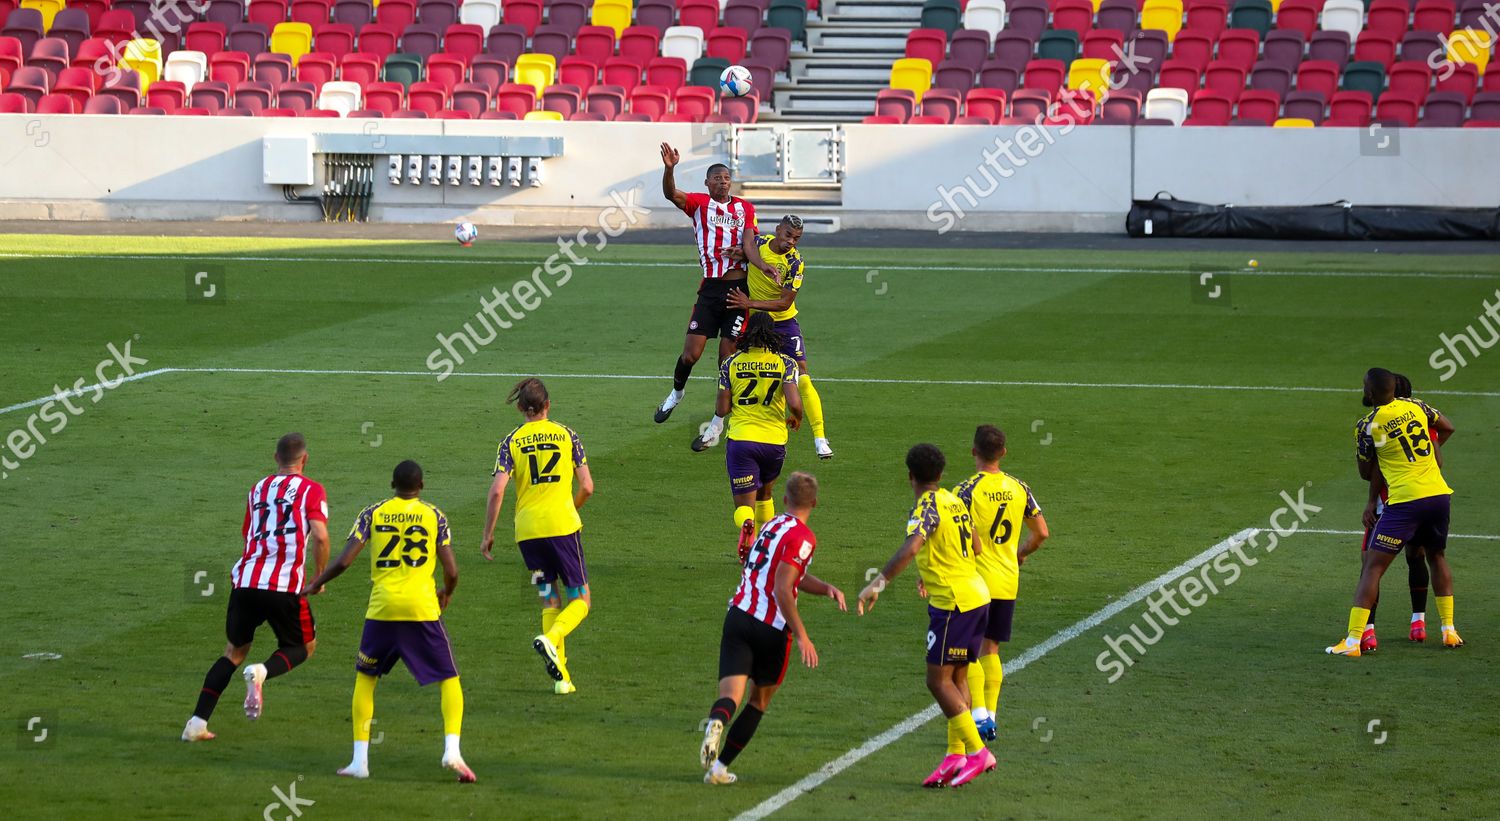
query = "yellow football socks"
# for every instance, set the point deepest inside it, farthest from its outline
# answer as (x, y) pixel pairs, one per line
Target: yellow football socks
(1445, 610)
(453, 705)
(812, 406)
(567, 621)
(955, 733)
(364, 705)
(994, 675)
(976, 687)
(549, 618)
(743, 514)
(764, 512)
(1359, 617)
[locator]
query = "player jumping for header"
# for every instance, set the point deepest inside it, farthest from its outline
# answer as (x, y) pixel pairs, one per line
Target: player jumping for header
(778, 296)
(720, 223)
(761, 625)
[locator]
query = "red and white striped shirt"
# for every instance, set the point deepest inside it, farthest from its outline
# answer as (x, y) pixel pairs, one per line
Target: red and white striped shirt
(719, 226)
(277, 514)
(783, 540)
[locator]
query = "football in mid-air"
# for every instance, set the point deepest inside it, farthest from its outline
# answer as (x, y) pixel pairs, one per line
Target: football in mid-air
(465, 233)
(735, 81)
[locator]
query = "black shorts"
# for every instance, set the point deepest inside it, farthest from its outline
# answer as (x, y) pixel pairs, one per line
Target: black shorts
(288, 614)
(1002, 613)
(750, 647)
(712, 315)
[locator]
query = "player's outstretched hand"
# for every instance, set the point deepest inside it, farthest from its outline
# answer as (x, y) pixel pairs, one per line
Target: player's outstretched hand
(669, 156)
(868, 596)
(738, 299)
(838, 596)
(809, 652)
(487, 548)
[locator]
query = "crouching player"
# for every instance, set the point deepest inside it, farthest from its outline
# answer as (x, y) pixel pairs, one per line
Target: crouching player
(761, 625)
(938, 536)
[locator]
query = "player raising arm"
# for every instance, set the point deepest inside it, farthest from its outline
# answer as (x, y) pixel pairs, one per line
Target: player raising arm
(998, 503)
(404, 620)
(757, 389)
(283, 514)
(1393, 446)
(778, 296)
(762, 622)
(938, 537)
(724, 228)
(545, 457)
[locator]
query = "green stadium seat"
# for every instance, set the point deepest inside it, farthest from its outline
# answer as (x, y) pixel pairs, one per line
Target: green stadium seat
(402, 68)
(1058, 44)
(1255, 15)
(706, 71)
(1364, 75)
(942, 14)
(790, 15)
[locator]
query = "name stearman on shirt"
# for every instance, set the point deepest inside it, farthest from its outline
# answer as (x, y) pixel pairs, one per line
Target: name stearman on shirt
(532, 438)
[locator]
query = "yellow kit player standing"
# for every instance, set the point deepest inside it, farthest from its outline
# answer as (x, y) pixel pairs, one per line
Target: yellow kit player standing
(939, 537)
(545, 457)
(404, 620)
(778, 297)
(998, 503)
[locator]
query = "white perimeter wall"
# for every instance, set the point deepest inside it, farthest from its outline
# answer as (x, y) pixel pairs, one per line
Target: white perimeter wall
(110, 167)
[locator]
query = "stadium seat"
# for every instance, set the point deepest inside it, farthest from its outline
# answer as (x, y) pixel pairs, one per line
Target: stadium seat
(1349, 108)
(398, 14)
(354, 13)
(125, 86)
(265, 12)
(1210, 108)
(706, 72)
(474, 98)
(1162, 15)
(612, 13)
(1443, 109)
(913, 74)
(1463, 80)
(897, 103)
(943, 103)
(968, 48)
(47, 8)
(1123, 107)
(1292, 122)
(595, 44)
(506, 41)
(987, 16)
(1185, 76)
(272, 68)
(1028, 18)
(1319, 76)
(552, 41)
(745, 15)
(439, 13)
(1486, 106)
(625, 73)
(1030, 104)
(297, 96)
(57, 104)
(168, 95)
(317, 68)
(1329, 46)
(1048, 75)
(699, 14)
(384, 97)
(927, 119)
(1090, 74)
(773, 46)
(424, 40)
(1266, 76)
(1306, 105)
(103, 105)
(640, 44)
(876, 119)
(51, 54)
(998, 76)
(1388, 17)
(209, 95)
(1471, 46)
(941, 14)
(1255, 15)
(987, 104)
(337, 95)
(1104, 44)
(527, 14)
(1258, 104)
(516, 97)
(482, 13)
(426, 96)
(726, 44)
(253, 96)
(562, 98)
(250, 38)
(790, 15)
(1364, 76)
(186, 67)
(1284, 48)
(953, 75)
(698, 102)
(1398, 107)
(1076, 16)
(1117, 15)
(536, 70)
(653, 101)
(144, 57)
(1239, 47)
(927, 44)
(543, 116)
(91, 52)
(1014, 49)
(685, 42)
(403, 114)
(292, 39)
(1410, 78)
(738, 110)
(578, 71)
(1208, 19)
(605, 100)
(668, 72)
(1166, 104)
(311, 12)
(1347, 16)
(400, 68)
(207, 38)
(72, 27)
(13, 103)
(1193, 48)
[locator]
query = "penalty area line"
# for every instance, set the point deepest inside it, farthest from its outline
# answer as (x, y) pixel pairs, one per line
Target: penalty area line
(1033, 653)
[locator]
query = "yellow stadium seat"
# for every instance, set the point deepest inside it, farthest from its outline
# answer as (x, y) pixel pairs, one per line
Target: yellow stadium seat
(913, 73)
(549, 116)
(1293, 122)
(48, 8)
(1089, 73)
(1164, 15)
(536, 70)
(1471, 46)
(612, 13)
(144, 57)
(293, 39)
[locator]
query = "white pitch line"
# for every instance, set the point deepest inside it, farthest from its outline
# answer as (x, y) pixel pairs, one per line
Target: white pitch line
(1481, 536)
(1033, 653)
(1002, 383)
(83, 390)
(1017, 269)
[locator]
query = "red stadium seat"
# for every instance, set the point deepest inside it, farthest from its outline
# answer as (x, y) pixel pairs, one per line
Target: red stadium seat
(695, 101)
(653, 101)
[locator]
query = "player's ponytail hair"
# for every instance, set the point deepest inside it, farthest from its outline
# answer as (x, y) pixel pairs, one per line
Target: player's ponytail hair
(529, 396)
(760, 332)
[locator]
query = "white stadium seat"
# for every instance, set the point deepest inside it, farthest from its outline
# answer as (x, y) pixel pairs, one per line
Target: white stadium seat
(1166, 104)
(683, 41)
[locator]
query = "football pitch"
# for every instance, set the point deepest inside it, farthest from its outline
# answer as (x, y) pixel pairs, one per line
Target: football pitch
(1155, 412)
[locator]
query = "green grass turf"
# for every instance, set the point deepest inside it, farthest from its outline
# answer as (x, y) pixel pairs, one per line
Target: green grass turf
(1235, 711)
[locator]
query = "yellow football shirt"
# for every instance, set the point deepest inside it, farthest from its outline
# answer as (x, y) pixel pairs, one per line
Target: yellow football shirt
(757, 408)
(997, 503)
(1399, 436)
(543, 456)
(403, 536)
(946, 561)
(789, 270)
